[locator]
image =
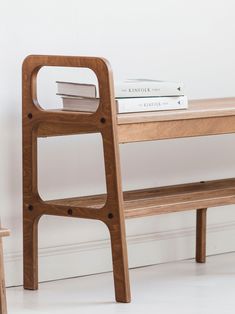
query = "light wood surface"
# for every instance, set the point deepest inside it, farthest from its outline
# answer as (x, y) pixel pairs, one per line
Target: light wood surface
(3, 303)
(155, 201)
(151, 131)
(204, 117)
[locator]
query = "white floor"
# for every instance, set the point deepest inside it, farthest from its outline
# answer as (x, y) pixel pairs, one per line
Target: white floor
(181, 287)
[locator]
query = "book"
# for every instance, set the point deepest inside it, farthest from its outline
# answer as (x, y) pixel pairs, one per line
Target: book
(147, 88)
(127, 105)
(76, 89)
(72, 103)
(126, 89)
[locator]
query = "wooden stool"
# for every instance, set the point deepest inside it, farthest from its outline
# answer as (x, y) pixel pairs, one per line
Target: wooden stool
(3, 303)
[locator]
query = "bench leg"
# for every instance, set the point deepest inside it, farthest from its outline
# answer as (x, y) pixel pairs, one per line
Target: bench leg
(120, 264)
(30, 239)
(201, 235)
(3, 303)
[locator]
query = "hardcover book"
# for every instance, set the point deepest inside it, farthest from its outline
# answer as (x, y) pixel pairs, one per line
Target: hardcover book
(147, 88)
(76, 89)
(127, 105)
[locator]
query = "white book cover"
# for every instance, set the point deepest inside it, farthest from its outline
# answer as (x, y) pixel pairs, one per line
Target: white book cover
(147, 88)
(127, 105)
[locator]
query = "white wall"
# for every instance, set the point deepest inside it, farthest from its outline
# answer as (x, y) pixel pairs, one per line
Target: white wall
(187, 40)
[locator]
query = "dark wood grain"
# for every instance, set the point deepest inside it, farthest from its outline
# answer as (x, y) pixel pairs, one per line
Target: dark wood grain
(201, 236)
(36, 120)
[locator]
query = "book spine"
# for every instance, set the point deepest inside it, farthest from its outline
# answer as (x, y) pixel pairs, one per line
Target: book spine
(148, 90)
(151, 104)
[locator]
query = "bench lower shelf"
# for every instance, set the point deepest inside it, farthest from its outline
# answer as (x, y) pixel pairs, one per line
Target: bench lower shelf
(161, 200)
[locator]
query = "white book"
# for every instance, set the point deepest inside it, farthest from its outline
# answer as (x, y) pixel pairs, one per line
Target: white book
(80, 104)
(126, 89)
(76, 89)
(127, 105)
(148, 88)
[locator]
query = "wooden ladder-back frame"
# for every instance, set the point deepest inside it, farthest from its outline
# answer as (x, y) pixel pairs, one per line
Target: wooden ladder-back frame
(103, 121)
(204, 117)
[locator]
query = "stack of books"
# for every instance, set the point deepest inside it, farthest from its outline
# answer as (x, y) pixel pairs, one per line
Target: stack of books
(133, 95)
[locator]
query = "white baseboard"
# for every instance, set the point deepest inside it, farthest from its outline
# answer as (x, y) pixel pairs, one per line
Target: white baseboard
(146, 249)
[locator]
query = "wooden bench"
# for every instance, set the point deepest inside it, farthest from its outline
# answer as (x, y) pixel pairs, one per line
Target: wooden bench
(3, 303)
(204, 117)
